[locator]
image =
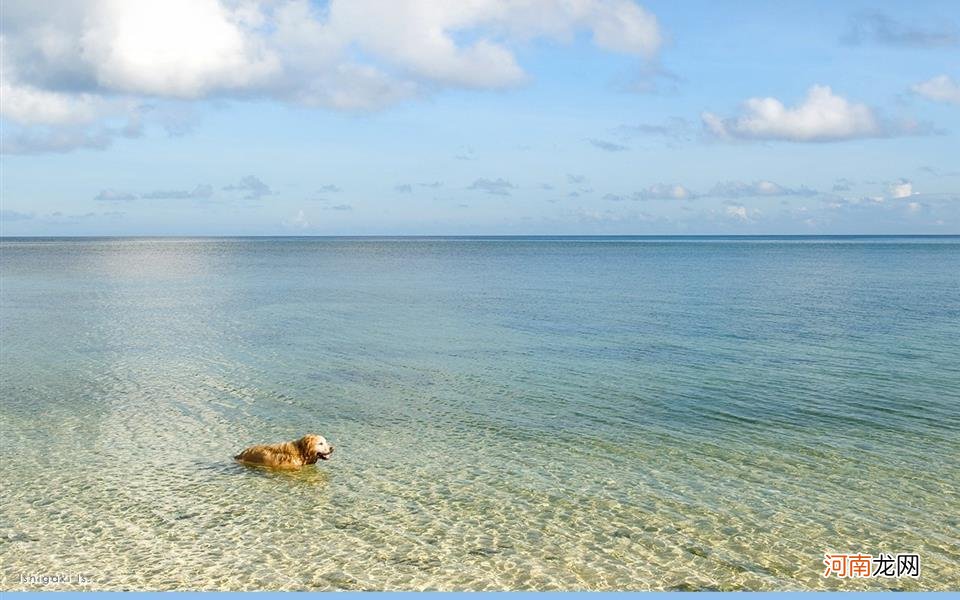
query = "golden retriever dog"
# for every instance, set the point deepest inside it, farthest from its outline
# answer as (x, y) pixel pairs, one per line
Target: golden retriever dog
(288, 455)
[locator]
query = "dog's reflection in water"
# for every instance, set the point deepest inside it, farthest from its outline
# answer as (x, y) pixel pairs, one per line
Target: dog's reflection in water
(298, 476)
(309, 476)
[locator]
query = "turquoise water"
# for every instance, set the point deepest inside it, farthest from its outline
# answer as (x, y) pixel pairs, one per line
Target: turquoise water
(542, 413)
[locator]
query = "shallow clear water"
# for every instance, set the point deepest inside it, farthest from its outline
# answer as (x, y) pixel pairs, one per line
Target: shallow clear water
(508, 413)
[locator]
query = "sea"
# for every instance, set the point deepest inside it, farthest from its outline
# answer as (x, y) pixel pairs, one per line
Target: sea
(509, 413)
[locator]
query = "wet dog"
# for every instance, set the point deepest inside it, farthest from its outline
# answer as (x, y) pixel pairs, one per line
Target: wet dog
(288, 455)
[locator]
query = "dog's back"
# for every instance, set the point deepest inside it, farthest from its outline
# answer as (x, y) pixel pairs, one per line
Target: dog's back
(279, 456)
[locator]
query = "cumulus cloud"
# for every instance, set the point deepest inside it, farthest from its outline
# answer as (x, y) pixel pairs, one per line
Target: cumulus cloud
(821, 117)
(901, 189)
(741, 189)
(878, 28)
(85, 61)
(723, 189)
(939, 89)
(201, 191)
(252, 187)
(29, 104)
(607, 146)
(738, 212)
(665, 191)
(495, 187)
(43, 139)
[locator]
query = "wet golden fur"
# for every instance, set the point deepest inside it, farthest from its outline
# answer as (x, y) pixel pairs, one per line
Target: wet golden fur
(288, 455)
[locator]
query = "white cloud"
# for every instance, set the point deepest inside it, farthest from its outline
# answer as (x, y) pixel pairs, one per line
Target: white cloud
(665, 191)
(40, 139)
(419, 39)
(822, 116)
(85, 60)
(738, 212)
(28, 104)
(901, 189)
(741, 189)
(939, 89)
(178, 48)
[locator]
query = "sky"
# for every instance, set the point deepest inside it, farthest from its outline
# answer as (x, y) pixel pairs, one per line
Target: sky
(480, 117)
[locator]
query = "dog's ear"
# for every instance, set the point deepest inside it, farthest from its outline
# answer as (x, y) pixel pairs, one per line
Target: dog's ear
(305, 446)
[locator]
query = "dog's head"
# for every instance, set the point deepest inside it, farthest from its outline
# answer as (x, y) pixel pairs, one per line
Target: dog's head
(315, 447)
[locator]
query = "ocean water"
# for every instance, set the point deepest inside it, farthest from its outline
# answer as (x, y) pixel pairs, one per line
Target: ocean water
(509, 413)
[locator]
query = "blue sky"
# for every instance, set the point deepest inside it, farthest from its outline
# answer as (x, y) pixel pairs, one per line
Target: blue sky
(533, 117)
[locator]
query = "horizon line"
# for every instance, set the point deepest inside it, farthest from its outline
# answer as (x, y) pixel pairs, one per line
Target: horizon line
(481, 235)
